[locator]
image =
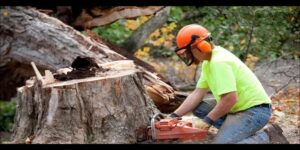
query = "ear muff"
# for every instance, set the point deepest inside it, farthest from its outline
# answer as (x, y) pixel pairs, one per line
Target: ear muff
(204, 46)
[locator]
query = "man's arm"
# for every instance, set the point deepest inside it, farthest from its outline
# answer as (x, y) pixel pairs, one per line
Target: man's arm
(191, 101)
(223, 107)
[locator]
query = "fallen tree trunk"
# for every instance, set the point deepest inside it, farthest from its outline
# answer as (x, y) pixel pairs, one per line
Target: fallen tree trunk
(28, 35)
(111, 107)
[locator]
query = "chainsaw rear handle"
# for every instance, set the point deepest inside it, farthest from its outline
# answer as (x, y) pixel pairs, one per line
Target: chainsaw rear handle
(153, 119)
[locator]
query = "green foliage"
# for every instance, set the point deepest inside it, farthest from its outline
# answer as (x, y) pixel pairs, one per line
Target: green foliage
(115, 32)
(263, 31)
(176, 14)
(7, 114)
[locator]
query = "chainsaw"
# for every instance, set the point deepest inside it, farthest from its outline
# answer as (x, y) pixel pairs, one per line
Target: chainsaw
(173, 129)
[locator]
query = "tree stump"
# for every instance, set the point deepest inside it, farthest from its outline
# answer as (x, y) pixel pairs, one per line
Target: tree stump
(111, 107)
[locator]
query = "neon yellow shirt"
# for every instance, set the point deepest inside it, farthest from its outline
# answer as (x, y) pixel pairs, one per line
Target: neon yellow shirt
(226, 73)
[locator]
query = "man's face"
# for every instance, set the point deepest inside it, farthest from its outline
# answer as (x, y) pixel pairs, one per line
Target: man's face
(189, 54)
(192, 56)
(185, 54)
(198, 55)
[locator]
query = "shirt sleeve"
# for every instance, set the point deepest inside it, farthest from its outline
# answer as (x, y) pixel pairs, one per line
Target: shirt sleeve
(224, 78)
(202, 82)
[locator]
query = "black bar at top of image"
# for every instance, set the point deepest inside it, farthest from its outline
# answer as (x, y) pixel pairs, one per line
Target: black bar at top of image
(149, 2)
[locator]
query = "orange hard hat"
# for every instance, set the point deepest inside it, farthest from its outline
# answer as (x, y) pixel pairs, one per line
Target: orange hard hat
(186, 34)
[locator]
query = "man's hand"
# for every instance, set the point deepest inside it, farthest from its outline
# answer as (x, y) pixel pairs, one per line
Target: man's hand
(191, 102)
(173, 115)
(201, 124)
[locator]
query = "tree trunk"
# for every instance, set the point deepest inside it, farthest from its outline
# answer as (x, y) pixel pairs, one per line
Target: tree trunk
(111, 107)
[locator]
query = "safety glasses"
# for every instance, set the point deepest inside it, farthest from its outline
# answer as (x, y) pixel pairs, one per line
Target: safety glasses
(185, 53)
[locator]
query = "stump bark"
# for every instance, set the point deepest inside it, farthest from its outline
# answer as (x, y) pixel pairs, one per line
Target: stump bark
(110, 108)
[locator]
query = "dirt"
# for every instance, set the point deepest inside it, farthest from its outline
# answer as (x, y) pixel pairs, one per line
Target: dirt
(278, 75)
(82, 67)
(291, 132)
(286, 113)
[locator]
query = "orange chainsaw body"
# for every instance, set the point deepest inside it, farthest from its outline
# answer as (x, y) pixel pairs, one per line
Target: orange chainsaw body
(173, 128)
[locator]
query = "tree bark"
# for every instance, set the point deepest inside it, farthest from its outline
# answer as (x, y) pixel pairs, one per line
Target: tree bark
(110, 108)
(138, 38)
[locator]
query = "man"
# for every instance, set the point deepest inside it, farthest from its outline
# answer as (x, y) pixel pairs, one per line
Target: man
(242, 106)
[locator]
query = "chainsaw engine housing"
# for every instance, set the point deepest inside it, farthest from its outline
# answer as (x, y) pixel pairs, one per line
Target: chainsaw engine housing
(174, 128)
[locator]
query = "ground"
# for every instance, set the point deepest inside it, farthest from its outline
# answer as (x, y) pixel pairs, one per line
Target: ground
(286, 113)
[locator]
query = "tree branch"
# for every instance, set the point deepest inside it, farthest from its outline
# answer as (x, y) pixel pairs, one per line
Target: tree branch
(138, 38)
(250, 37)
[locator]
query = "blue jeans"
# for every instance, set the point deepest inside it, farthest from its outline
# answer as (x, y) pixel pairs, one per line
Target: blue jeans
(241, 127)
